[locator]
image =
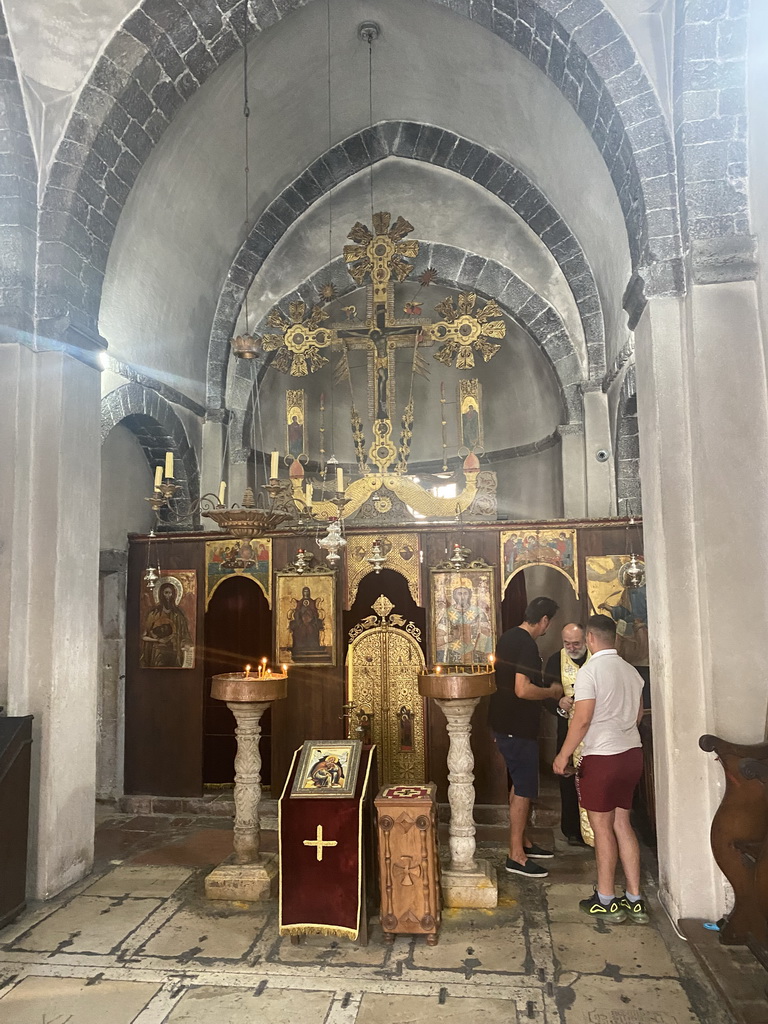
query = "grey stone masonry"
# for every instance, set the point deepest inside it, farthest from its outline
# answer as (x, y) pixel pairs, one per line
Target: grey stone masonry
(408, 140)
(467, 271)
(18, 204)
(710, 104)
(158, 429)
(628, 492)
(165, 50)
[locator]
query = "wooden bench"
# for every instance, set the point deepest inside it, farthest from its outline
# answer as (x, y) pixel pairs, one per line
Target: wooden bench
(739, 838)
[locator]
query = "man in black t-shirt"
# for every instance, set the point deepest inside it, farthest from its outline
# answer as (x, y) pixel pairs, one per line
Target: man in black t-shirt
(513, 715)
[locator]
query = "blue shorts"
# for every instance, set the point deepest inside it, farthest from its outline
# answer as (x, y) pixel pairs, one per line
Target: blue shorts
(522, 760)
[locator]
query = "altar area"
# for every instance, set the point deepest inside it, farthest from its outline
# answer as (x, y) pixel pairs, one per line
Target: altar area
(382, 623)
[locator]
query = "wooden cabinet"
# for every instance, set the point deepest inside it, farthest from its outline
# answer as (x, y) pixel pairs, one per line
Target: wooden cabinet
(409, 868)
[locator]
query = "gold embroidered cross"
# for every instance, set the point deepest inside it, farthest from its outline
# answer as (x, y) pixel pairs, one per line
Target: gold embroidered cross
(319, 842)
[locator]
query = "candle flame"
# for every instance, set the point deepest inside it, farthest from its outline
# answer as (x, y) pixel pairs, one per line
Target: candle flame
(438, 669)
(247, 669)
(285, 670)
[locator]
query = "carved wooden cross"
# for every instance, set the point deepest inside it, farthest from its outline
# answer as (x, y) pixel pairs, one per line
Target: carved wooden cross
(319, 843)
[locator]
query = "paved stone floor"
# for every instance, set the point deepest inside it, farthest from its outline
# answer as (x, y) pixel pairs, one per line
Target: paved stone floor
(137, 943)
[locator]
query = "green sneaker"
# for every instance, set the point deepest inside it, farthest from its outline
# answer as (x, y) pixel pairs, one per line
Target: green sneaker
(636, 912)
(614, 912)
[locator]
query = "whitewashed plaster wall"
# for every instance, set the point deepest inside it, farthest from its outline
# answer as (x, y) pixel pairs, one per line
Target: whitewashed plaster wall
(126, 480)
(183, 221)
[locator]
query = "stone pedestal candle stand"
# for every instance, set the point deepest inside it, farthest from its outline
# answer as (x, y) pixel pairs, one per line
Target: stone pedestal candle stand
(246, 874)
(467, 881)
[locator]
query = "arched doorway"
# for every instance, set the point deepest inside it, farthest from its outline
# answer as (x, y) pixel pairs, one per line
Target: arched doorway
(238, 632)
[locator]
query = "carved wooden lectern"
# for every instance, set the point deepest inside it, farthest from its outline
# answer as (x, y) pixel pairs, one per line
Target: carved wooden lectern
(408, 862)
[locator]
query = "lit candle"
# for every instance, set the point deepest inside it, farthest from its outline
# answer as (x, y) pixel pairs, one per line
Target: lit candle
(285, 670)
(438, 669)
(309, 494)
(491, 660)
(158, 477)
(247, 670)
(169, 465)
(222, 492)
(339, 479)
(273, 470)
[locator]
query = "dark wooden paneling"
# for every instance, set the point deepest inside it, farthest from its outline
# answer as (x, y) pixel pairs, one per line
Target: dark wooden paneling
(163, 707)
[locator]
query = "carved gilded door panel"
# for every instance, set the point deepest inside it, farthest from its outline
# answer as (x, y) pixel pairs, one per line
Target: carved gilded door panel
(383, 665)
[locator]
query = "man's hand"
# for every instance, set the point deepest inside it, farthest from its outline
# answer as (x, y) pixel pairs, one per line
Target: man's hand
(565, 703)
(559, 765)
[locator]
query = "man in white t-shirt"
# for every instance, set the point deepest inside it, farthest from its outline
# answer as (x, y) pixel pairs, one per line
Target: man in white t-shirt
(607, 708)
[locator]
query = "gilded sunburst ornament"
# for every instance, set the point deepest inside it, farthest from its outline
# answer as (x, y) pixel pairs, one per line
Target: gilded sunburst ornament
(298, 347)
(464, 330)
(381, 253)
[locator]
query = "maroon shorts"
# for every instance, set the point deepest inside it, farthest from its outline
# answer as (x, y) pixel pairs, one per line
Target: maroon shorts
(608, 781)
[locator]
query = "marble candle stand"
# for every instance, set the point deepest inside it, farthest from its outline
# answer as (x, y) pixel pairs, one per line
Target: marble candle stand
(468, 881)
(246, 874)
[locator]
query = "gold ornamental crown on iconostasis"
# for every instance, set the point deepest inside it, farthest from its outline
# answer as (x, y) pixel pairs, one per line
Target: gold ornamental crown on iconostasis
(377, 259)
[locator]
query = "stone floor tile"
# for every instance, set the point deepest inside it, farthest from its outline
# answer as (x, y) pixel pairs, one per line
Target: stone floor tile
(88, 924)
(619, 949)
(324, 949)
(601, 1000)
(79, 1001)
(475, 940)
(223, 933)
(200, 848)
(405, 1009)
(207, 1005)
(130, 880)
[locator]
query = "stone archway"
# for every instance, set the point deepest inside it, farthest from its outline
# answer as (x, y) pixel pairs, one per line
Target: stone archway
(158, 429)
(457, 268)
(423, 142)
(159, 58)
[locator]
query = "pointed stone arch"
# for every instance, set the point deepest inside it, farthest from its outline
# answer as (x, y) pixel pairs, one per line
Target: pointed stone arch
(164, 52)
(462, 270)
(413, 141)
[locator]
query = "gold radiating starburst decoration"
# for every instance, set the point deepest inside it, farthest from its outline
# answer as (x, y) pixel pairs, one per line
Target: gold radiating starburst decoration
(298, 347)
(464, 331)
(380, 253)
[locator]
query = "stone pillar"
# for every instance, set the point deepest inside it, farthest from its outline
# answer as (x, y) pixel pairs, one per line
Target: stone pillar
(467, 882)
(49, 561)
(214, 434)
(703, 423)
(601, 485)
(574, 477)
(110, 746)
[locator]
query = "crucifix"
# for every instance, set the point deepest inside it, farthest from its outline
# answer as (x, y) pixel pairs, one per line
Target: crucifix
(379, 258)
(319, 843)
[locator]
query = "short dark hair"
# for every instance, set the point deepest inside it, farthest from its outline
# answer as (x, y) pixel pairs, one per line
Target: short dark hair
(538, 608)
(603, 626)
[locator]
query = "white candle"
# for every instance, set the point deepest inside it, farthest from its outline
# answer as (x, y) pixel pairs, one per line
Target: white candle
(273, 469)
(222, 492)
(310, 491)
(158, 477)
(169, 465)
(339, 479)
